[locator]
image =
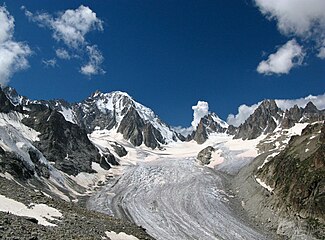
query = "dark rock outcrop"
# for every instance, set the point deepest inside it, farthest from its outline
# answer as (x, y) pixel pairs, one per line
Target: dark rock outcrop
(61, 142)
(119, 149)
(210, 123)
(204, 156)
(131, 126)
(263, 120)
(200, 134)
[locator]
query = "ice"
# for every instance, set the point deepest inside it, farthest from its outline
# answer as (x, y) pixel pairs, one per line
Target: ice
(168, 192)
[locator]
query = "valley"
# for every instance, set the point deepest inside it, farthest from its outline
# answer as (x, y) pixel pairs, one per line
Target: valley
(116, 161)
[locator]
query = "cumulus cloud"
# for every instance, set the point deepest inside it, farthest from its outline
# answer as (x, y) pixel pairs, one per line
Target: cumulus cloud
(71, 28)
(13, 55)
(245, 111)
(50, 62)
(62, 53)
(95, 60)
(319, 102)
(301, 18)
(287, 56)
(321, 53)
(199, 111)
(184, 131)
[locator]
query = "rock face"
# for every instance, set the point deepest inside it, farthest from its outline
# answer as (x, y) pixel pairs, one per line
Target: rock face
(267, 117)
(115, 111)
(263, 120)
(205, 155)
(297, 174)
(211, 123)
(61, 142)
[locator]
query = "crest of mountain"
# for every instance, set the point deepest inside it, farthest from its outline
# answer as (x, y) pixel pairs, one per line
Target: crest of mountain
(115, 111)
(268, 116)
(118, 112)
(209, 124)
(58, 141)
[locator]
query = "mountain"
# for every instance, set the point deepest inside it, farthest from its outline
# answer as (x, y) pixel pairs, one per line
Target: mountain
(208, 125)
(115, 111)
(65, 149)
(268, 116)
(296, 174)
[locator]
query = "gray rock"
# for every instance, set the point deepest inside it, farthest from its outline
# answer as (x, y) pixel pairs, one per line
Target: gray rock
(261, 121)
(61, 142)
(204, 156)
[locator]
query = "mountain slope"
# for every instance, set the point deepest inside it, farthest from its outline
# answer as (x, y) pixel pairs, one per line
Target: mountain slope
(297, 174)
(268, 117)
(115, 111)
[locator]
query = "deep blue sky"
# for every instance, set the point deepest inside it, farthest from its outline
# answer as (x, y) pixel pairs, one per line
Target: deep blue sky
(167, 54)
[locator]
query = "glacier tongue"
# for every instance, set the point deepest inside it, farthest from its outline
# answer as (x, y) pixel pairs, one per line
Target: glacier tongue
(174, 199)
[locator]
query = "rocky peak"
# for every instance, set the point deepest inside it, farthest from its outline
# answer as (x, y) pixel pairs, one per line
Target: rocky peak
(310, 108)
(263, 120)
(209, 124)
(6, 105)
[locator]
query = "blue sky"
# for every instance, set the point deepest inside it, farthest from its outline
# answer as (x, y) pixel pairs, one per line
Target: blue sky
(169, 54)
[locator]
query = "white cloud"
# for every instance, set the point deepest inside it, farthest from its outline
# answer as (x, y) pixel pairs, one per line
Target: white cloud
(95, 60)
(321, 53)
(319, 102)
(199, 111)
(62, 53)
(184, 131)
(245, 111)
(301, 18)
(13, 55)
(70, 26)
(287, 56)
(50, 62)
(7, 25)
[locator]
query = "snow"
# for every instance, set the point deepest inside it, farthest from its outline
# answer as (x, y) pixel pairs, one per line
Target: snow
(13, 120)
(307, 150)
(117, 101)
(221, 122)
(41, 212)
(268, 158)
(312, 137)
(120, 236)
(89, 180)
(297, 129)
(67, 114)
(264, 185)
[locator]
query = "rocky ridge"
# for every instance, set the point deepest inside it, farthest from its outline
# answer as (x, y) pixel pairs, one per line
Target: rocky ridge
(268, 116)
(115, 111)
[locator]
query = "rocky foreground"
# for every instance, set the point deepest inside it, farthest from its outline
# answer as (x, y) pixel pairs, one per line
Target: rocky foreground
(76, 222)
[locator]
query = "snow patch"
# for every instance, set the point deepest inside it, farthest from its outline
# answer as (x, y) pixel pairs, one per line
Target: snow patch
(68, 114)
(268, 158)
(41, 212)
(263, 184)
(120, 236)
